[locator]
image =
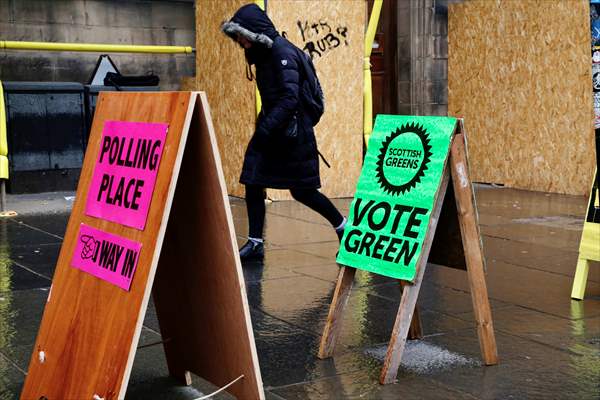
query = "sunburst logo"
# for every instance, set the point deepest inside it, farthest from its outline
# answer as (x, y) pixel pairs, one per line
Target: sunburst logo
(403, 159)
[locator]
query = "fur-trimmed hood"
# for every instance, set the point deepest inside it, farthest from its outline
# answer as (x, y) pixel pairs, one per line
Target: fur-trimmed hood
(252, 23)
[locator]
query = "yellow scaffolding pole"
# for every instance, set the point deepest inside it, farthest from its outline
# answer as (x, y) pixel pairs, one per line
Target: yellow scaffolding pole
(3, 158)
(261, 4)
(368, 89)
(97, 47)
(3, 138)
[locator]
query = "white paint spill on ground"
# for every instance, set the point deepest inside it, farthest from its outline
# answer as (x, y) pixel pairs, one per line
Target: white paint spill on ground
(421, 357)
(560, 221)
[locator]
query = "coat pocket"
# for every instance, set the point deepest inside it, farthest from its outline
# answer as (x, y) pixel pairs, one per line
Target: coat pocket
(292, 129)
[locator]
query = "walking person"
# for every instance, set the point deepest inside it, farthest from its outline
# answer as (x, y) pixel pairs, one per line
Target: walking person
(282, 153)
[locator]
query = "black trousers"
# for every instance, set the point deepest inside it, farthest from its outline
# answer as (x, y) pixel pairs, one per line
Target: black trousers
(312, 198)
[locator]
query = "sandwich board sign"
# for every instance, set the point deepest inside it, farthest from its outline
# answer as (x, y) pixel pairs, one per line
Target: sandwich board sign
(402, 194)
(151, 216)
(394, 198)
(589, 246)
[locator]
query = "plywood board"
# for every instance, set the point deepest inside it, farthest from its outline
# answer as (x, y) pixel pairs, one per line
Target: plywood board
(90, 329)
(188, 83)
(87, 339)
(519, 72)
(205, 285)
(335, 31)
(221, 73)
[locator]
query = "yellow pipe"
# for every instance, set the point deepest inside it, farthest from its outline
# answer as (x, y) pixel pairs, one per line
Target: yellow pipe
(99, 48)
(368, 89)
(3, 139)
(261, 4)
(3, 133)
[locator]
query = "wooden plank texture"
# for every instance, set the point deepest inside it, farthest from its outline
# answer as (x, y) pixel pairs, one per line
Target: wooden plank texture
(199, 291)
(90, 328)
(471, 240)
(335, 31)
(416, 328)
(410, 293)
(519, 71)
(221, 73)
(333, 326)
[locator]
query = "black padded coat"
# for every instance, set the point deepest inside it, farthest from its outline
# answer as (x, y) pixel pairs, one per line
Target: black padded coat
(282, 153)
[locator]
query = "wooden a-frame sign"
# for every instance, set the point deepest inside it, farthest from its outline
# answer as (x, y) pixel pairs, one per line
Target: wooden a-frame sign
(453, 240)
(169, 219)
(589, 246)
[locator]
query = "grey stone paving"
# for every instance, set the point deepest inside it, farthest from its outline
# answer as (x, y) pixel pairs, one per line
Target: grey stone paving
(549, 345)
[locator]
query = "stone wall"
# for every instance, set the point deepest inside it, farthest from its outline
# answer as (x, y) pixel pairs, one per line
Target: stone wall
(158, 22)
(422, 57)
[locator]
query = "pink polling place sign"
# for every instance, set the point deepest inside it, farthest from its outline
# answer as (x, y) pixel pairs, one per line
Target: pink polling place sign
(109, 257)
(125, 172)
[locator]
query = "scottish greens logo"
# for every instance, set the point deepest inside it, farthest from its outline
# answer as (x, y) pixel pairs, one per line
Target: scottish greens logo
(403, 159)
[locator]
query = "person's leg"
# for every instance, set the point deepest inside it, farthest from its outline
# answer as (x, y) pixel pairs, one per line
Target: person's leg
(317, 201)
(255, 205)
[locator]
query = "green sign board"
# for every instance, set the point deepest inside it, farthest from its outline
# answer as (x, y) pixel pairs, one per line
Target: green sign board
(389, 216)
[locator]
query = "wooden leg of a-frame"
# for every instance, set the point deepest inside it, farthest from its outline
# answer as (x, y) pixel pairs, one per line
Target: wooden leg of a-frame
(416, 328)
(471, 238)
(410, 293)
(402, 326)
(580, 280)
(336, 311)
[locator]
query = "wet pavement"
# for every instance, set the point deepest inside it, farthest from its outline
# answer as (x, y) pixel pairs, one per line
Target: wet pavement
(549, 345)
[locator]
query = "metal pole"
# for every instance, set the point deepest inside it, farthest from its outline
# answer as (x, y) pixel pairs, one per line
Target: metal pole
(94, 47)
(2, 195)
(368, 87)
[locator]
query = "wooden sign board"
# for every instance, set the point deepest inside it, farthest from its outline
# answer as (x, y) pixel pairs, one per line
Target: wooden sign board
(333, 33)
(115, 246)
(392, 208)
(454, 169)
(503, 85)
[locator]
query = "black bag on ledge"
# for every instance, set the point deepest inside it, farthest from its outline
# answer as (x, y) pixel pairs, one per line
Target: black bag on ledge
(117, 80)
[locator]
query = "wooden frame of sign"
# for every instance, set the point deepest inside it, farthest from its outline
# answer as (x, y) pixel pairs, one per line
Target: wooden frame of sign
(589, 246)
(90, 329)
(454, 211)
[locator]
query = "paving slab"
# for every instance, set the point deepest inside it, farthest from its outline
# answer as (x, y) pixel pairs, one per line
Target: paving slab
(54, 224)
(526, 370)
(538, 290)
(579, 336)
(14, 277)
(15, 235)
(38, 258)
(11, 380)
(549, 345)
